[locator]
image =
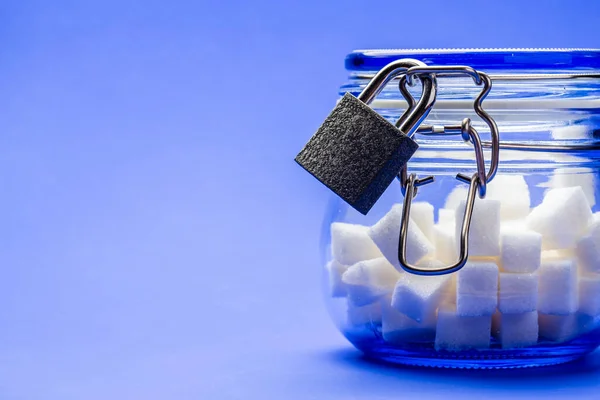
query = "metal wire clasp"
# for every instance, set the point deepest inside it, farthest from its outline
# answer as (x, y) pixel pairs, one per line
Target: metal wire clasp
(477, 182)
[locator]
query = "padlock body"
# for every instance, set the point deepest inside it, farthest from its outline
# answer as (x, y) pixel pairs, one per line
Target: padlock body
(356, 153)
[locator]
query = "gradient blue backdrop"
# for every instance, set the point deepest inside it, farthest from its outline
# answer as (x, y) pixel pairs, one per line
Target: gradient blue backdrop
(157, 241)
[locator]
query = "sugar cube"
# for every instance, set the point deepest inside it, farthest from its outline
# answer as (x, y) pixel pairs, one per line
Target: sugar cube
(430, 264)
(449, 287)
(513, 193)
(397, 328)
(513, 225)
(477, 289)
(557, 255)
(367, 281)
(422, 213)
(518, 293)
(418, 296)
(562, 218)
(446, 217)
(585, 178)
(335, 270)
(484, 233)
(588, 249)
(516, 330)
(367, 314)
(558, 328)
(449, 295)
(386, 232)
(589, 295)
(458, 194)
(446, 247)
(351, 243)
(520, 251)
(557, 287)
(455, 332)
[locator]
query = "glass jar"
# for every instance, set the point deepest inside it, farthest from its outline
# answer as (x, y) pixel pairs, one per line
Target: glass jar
(530, 292)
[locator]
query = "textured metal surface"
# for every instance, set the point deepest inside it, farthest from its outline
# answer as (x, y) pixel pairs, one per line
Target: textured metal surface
(356, 153)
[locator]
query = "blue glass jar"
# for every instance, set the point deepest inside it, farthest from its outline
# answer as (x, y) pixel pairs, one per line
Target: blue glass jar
(530, 293)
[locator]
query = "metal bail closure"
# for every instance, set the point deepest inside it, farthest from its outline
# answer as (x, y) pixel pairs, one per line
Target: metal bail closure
(477, 182)
(412, 183)
(356, 152)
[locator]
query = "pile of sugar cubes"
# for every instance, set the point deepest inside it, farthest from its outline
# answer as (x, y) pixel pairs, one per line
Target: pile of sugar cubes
(532, 274)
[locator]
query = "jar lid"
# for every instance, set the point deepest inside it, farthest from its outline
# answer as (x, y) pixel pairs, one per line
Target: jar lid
(487, 60)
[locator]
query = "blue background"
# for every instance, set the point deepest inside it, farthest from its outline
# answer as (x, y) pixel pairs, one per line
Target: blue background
(157, 241)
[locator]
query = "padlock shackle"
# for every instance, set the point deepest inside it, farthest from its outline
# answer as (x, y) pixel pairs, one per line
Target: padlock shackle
(416, 113)
(386, 74)
(409, 122)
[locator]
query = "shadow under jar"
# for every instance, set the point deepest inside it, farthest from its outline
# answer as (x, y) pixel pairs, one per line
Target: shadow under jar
(529, 294)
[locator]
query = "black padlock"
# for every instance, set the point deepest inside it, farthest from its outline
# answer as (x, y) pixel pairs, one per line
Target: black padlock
(356, 152)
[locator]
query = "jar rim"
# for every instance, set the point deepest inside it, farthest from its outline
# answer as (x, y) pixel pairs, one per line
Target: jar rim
(511, 60)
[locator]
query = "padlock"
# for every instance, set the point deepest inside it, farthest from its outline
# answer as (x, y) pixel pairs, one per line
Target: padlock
(356, 152)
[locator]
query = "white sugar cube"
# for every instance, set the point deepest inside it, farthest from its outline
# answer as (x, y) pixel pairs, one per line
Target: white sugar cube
(557, 255)
(419, 296)
(449, 287)
(513, 193)
(513, 225)
(386, 233)
(455, 332)
(367, 314)
(449, 295)
(458, 194)
(558, 328)
(562, 328)
(588, 254)
(518, 293)
(516, 330)
(588, 249)
(446, 217)
(585, 178)
(484, 233)
(335, 270)
(557, 287)
(422, 213)
(397, 328)
(477, 289)
(446, 247)
(520, 251)
(430, 264)
(367, 281)
(351, 243)
(562, 218)
(589, 295)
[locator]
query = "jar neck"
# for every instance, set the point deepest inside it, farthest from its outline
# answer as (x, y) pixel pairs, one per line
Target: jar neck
(545, 102)
(460, 158)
